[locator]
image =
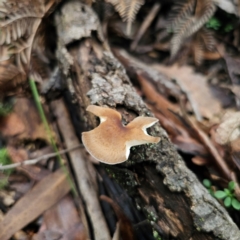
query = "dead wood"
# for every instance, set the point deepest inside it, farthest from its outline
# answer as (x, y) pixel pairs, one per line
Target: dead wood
(167, 188)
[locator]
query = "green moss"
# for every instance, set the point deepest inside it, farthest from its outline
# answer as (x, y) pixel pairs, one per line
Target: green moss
(213, 23)
(122, 176)
(156, 235)
(151, 214)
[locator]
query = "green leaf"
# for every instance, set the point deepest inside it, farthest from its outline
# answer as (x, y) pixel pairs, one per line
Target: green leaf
(207, 183)
(235, 204)
(220, 194)
(228, 28)
(227, 191)
(231, 185)
(213, 23)
(227, 202)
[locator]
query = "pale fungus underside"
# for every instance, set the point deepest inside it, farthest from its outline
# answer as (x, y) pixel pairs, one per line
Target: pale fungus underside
(111, 141)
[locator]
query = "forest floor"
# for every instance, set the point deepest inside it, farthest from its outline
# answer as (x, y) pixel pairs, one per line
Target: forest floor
(182, 58)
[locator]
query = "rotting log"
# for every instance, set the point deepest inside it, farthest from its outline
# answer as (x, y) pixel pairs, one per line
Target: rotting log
(155, 176)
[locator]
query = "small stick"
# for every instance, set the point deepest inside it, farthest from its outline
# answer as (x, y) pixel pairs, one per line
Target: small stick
(35, 160)
(147, 22)
(191, 101)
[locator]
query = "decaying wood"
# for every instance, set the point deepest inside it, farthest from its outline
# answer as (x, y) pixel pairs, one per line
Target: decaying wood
(167, 192)
(204, 213)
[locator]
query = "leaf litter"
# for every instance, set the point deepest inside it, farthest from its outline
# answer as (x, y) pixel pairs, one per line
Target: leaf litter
(181, 67)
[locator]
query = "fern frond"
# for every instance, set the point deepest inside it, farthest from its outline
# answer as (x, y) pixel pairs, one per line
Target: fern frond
(13, 31)
(189, 21)
(132, 11)
(127, 9)
(180, 11)
(208, 39)
(206, 10)
(19, 23)
(120, 7)
(18, 29)
(180, 35)
(202, 42)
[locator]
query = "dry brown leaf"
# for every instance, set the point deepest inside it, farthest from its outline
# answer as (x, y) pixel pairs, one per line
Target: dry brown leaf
(26, 111)
(189, 145)
(11, 125)
(228, 130)
(48, 235)
(127, 10)
(180, 136)
(17, 155)
(232, 63)
(160, 102)
(196, 85)
(34, 172)
(218, 159)
(126, 228)
(163, 110)
(203, 46)
(236, 158)
(10, 77)
(62, 218)
(44, 195)
(235, 152)
(200, 160)
(20, 235)
(235, 146)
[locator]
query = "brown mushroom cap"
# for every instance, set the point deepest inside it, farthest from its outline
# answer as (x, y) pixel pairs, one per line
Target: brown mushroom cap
(110, 142)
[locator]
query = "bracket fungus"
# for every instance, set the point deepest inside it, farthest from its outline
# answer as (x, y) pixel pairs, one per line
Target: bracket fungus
(111, 141)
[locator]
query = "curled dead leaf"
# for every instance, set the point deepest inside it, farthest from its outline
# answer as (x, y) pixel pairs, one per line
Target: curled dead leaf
(228, 130)
(200, 160)
(11, 125)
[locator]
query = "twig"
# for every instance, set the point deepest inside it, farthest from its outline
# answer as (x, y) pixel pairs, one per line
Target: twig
(146, 23)
(191, 101)
(36, 160)
(223, 167)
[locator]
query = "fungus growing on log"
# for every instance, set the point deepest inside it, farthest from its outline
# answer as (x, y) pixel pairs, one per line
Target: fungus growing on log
(111, 141)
